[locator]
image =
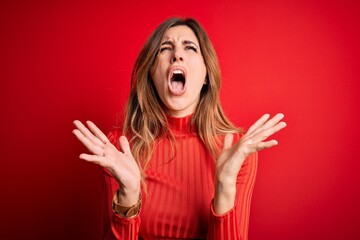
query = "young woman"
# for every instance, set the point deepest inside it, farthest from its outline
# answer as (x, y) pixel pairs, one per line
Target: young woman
(178, 169)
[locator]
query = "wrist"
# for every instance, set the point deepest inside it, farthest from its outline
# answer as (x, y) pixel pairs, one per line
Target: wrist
(128, 197)
(127, 211)
(225, 180)
(224, 198)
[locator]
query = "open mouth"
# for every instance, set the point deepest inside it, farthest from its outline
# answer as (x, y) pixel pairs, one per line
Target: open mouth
(177, 81)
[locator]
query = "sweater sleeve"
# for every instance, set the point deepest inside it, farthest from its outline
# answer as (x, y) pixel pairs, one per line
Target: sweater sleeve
(234, 224)
(115, 226)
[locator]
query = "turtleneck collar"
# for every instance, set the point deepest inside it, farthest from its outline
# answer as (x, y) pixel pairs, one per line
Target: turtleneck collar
(180, 126)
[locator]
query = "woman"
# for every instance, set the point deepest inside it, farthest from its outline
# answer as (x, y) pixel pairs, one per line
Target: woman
(179, 168)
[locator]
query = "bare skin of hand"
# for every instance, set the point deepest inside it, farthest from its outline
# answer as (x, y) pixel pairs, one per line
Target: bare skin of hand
(232, 158)
(121, 164)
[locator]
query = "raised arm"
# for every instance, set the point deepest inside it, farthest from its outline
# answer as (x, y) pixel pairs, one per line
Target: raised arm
(232, 175)
(124, 170)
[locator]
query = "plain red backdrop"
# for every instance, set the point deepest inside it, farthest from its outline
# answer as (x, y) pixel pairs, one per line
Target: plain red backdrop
(66, 60)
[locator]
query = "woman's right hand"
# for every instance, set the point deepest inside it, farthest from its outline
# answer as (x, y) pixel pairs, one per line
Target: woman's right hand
(121, 164)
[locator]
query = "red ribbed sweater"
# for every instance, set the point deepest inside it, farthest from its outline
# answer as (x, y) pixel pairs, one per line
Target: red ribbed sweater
(178, 203)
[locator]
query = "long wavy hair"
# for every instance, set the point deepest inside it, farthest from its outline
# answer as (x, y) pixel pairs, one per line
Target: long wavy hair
(145, 120)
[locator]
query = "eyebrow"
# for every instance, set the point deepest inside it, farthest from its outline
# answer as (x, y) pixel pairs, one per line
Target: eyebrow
(169, 42)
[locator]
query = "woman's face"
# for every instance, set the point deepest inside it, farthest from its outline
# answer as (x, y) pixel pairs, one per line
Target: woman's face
(179, 71)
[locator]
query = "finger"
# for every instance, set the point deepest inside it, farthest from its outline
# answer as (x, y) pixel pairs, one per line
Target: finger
(124, 145)
(264, 134)
(265, 145)
(228, 141)
(258, 123)
(273, 120)
(97, 132)
(270, 123)
(86, 132)
(91, 146)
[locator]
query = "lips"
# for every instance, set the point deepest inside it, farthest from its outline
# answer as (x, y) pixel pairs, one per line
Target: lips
(177, 80)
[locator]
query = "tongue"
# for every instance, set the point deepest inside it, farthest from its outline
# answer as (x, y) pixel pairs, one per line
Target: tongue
(177, 86)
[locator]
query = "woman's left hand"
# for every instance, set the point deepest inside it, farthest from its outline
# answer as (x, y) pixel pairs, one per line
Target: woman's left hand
(232, 157)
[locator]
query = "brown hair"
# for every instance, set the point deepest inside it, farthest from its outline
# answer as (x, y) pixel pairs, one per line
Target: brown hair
(145, 120)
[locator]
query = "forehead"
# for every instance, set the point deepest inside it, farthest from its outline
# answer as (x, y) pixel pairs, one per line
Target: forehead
(180, 33)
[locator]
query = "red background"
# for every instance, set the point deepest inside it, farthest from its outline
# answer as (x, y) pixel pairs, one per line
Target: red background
(65, 60)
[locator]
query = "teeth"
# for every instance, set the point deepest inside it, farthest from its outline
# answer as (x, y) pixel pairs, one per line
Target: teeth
(178, 71)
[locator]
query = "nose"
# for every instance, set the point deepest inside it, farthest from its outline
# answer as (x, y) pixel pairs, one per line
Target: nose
(177, 56)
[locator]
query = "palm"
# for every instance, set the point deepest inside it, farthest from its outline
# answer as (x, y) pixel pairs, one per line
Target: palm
(121, 164)
(231, 158)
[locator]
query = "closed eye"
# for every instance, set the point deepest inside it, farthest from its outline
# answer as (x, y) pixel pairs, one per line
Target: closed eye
(167, 45)
(165, 49)
(191, 48)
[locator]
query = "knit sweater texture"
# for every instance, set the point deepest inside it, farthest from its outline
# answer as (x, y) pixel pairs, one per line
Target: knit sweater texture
(180, 191)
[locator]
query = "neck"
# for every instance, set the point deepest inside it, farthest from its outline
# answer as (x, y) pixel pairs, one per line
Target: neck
(180, 125)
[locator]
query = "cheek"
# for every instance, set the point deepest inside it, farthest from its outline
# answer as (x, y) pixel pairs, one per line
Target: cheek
(154, 73)
(158, 78)
(158, 71)
(159, 81)
(202, 72)
(199, 67)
